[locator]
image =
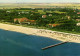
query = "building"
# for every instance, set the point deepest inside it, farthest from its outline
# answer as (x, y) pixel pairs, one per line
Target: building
(31, 21)
(50, 14)
(44, 16)
(78, 24)
(68, 17)
(53, 25)
(78, 20)
(78, 13)
(20, 20)
(24, 20)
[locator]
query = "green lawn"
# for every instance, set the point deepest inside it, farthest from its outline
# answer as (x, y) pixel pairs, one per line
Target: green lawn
(41, 12)
(59, 12)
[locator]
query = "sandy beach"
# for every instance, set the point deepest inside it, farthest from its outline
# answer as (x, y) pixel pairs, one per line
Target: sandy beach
(38, 32)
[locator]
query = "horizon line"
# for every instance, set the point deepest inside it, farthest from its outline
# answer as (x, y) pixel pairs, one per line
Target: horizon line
(41, 2)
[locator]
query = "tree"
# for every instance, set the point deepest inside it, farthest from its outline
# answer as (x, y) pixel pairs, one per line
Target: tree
(68, 25)
(42, 22)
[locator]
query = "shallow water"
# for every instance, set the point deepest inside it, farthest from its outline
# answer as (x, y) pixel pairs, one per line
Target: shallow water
(18, 44)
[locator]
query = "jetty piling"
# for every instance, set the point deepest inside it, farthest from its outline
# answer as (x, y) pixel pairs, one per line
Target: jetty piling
(54, 45)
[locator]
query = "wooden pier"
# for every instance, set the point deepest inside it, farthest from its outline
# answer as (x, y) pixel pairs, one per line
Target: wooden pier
(53, 45)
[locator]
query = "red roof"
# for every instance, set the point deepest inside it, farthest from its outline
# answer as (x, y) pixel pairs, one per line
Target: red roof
(54, 25)
(44, 16)
(24, 20)
(78, 13)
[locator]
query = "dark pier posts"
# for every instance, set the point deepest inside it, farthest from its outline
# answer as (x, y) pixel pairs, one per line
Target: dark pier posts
(53, 45)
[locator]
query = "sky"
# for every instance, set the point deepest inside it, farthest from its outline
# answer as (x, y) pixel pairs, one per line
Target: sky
(39, 1)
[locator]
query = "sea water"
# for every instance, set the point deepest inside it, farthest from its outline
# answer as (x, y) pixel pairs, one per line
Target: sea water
(18, 44)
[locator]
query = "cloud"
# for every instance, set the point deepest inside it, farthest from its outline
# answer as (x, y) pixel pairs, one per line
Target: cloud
(5, 1)
(13, 1)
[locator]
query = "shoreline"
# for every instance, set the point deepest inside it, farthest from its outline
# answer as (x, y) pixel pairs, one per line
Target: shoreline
(61, 36)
